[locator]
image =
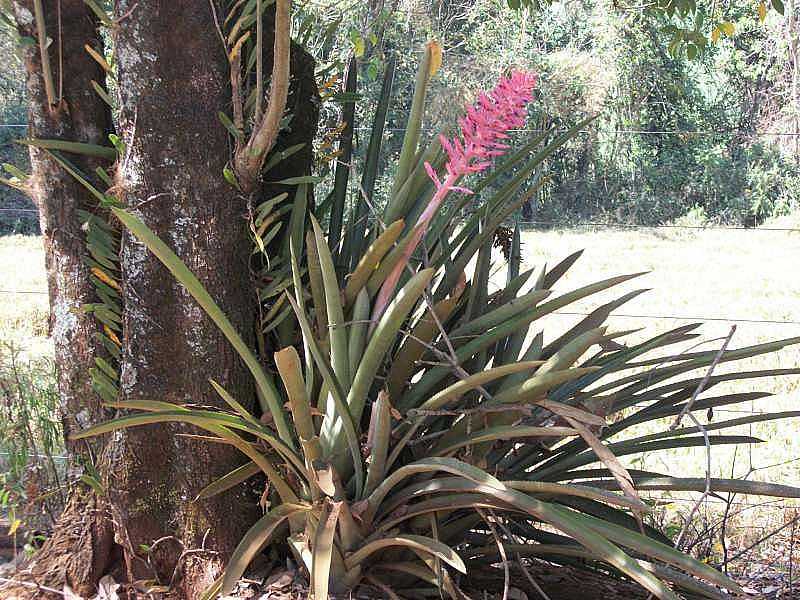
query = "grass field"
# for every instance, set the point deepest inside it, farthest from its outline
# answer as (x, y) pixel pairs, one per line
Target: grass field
(720, 277)
(714, 276)
(23, 305)
(746, 278)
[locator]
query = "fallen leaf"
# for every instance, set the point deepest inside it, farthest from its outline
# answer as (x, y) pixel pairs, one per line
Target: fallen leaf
(69, 594)
(107, 589)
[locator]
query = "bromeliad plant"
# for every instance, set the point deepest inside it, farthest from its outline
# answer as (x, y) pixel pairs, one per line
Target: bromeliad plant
(419, 401)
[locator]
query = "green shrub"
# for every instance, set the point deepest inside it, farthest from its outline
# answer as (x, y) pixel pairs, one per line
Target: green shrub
(31, 466)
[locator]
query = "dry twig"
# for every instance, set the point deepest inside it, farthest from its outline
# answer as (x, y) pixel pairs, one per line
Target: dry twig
(687, 412)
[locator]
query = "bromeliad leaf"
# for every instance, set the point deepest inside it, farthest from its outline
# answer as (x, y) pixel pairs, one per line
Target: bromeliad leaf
(267, 391)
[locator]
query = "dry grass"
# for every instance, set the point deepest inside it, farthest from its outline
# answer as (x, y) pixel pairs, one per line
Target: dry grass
(23, 315)
(699, 275)
(695, 276)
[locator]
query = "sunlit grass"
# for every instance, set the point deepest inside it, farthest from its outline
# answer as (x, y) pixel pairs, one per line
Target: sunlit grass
(746, 275)
(699, 275)
(23, 315)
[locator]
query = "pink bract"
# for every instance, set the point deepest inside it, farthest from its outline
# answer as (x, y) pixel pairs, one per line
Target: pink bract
(483, 130)
(484, 127)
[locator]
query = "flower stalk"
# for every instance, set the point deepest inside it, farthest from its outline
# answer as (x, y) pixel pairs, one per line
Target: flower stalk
(483, 133)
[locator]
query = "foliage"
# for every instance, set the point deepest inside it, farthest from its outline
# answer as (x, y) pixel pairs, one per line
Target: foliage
(592, 60)
(416, 398)
(388, 440)
(102, 247)
(12, 112)
(30, 441)
(692, 26)
(645, 160)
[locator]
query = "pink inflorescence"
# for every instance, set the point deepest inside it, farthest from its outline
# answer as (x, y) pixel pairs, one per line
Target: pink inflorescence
(484, 127)
(483, 130)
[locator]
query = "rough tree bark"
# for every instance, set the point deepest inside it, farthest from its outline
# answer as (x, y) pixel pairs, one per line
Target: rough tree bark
(79, 115)
(78, 551)
(173, 80)
(171, 90)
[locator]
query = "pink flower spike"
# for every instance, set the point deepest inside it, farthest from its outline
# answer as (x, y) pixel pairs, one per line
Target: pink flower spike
(482, 129)
(486, 123)
(432, 174)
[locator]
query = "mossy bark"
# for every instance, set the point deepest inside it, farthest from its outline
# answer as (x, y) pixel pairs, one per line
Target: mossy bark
(172, 80)
(78, 114)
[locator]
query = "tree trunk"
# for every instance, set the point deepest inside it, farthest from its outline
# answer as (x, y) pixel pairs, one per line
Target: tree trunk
(173, 80)
(793, 44)
(79, 115)
(78, 551)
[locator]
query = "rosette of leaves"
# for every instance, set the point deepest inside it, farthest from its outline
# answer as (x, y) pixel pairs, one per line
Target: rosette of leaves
(393, 440)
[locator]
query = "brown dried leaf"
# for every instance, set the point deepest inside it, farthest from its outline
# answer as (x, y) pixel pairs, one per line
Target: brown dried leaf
(607, 457)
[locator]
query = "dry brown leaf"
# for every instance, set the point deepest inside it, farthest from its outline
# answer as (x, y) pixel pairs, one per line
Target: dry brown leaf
(611, 462)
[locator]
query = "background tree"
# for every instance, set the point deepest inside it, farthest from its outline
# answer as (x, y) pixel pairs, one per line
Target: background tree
(170, 89)
(67, 108)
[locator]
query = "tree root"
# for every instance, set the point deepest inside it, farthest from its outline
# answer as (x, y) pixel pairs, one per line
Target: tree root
(77, 554)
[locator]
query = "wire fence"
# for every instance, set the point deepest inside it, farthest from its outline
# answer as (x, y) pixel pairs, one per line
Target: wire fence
(583, 314)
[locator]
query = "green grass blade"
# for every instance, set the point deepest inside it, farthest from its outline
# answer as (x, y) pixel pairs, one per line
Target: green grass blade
(337, 330)
(322, 549)
(569, 523)
(698, 484)
(343, 160)
(536, 387)
(370, 261)
(354, 242)
(93, 150)
(384, 336)
(434, 375)
(626, 448)
(649, 547)
(715, 426)
(427, 465)
(216, 423)
(503, 432)
(234, 404)
(461, 387)
(408, 151)
(552, 276)
(507, 311)
(335, 389)
(380, 429)
(416, 542)
(226, 482)
(358, 330)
